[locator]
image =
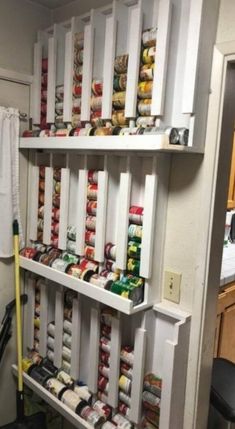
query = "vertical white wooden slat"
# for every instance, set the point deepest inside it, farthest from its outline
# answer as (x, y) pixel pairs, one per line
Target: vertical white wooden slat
(148, 225)
(161, 58)
(34, 193)
(37, 82)
(101, 215)
(192, 53)
(52, 45)
(174, 377)
(123, 220)
(114, 362)
(59, 35)
(48, 205)
(59, 318)
(135, 34)
(76, 338)
(108, 70)
(138, 375)
(68, 77)
(87, 72)
(30, 309)
(94, 349)
(43, 319)
(81, 211)
(64, 205)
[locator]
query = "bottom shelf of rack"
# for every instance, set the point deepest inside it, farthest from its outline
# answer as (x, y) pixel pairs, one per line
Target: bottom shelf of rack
(53, 402)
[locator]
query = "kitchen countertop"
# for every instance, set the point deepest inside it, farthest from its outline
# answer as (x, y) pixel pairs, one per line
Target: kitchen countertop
(228, 265)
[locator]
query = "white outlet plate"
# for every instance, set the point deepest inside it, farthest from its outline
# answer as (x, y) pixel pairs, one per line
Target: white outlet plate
(172, 282)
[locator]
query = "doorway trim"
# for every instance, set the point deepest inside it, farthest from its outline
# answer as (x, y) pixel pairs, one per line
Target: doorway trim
(211, 221)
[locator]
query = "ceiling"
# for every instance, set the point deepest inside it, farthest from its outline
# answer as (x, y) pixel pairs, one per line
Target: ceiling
(52, 4)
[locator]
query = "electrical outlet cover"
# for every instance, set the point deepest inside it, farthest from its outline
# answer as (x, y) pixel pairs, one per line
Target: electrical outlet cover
(172, 282)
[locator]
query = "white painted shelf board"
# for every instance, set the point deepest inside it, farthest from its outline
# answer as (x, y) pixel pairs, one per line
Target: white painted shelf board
(170, 310)
(150, 143)
(53, 401)
(94, 292)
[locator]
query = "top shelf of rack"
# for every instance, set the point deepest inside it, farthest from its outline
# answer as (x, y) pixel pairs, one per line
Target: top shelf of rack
(151, 143)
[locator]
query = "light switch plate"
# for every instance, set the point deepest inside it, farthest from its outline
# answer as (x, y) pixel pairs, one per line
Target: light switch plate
(172, 282)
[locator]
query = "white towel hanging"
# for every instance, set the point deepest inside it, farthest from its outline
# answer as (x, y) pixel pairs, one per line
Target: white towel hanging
(9, 178)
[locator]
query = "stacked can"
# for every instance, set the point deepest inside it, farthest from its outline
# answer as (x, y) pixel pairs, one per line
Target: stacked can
(77, 82)
(41, 199)
(151, 401)
(125, 380)
(119, 87)
(145, 86)
(104, 358)
(91, 209)
(61, 129)
(37, 314)
(43, 123)
(96, 103)
(55, 206)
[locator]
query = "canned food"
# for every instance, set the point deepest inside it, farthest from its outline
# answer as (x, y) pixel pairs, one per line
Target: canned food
(41, 198)
(104, 370)
(121, 64)
(28, 252)
(92, 417)
(135, 232)
(51, 329)
(38, 374)
(103, 384)
(64, 378)
(97, 87)
(79, 57)
(153, 384)
(123, 409)
(100, 281)
(56, 200)
(44, 65)
(90, 252)
(66, 366)
(96, 120)
(71, 246)
(57, 187)
(102, 396)
(44, 79)
(68, 315)
(55, 387)
(75, 132)
(145, 89)
(76, 122)
(147, 72)
(67, 326)
(119, 82)
(106, 316)
(66, 353)
(125, 384)
(91, 223)
(59, 107)
(127, 355)
(110, 275)
(110, 251)
(96, 103)
(103, 409)
(148, 55)
(109, 425)
(126, 370)
(150, 401)
(121, 422)
(41, 212)
(149, 37)
(134, 249)
(42, 172)
(104, 358)
(111, 266)
(144, 107)
(92, 190)
(74, 270)
(83, 393)
(77, 74)
(133, 266)
(183, 136)
(35, 357)
(70, 258)
(103, 131)
(77, 90)
(91, 208)
(105, 344)
(60, 265)
(36, 323)
(105, 331)
(136, 215)
(119, 100)
(72, 400)
(55, 228)
(79, 40)
(59, 92)
(51, 343)
(50, 355)
(118, 118)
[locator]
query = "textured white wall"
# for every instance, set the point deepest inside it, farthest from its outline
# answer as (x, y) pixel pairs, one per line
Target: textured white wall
(77, 7)
(226, 27)
(20, 21)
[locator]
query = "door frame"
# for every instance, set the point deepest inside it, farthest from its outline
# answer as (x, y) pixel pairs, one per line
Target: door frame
(217, 158)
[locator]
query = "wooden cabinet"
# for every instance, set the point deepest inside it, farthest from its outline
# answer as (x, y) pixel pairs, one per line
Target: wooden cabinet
(231, 190)
(225, 332)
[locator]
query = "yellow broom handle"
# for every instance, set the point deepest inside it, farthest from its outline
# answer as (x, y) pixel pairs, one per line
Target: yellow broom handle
(18, 312)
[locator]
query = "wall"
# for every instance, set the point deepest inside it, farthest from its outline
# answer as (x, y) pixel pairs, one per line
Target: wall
(18, 31)
(226, 28)
(76, 8)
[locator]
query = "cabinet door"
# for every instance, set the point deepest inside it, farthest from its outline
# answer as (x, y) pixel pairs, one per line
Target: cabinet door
(231, 190)
(227, 334)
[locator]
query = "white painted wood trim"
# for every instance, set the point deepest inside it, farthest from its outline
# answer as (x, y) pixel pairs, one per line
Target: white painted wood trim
(108, 69)
(161, 58)
(64, 205)
(114, 366)
(49, 185)
(123, 219)
(30, 290)
(52, 47)
(135, 35)
(76, 339)
(192, 53)
(150, 198)
(15, 76)
(87, 72)
(68, 77)
(81, 211)
(138, 375)
(43, 319)
(59, 318)
(33, 195)
(37, 84)
(94, 349)
(101, 215)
